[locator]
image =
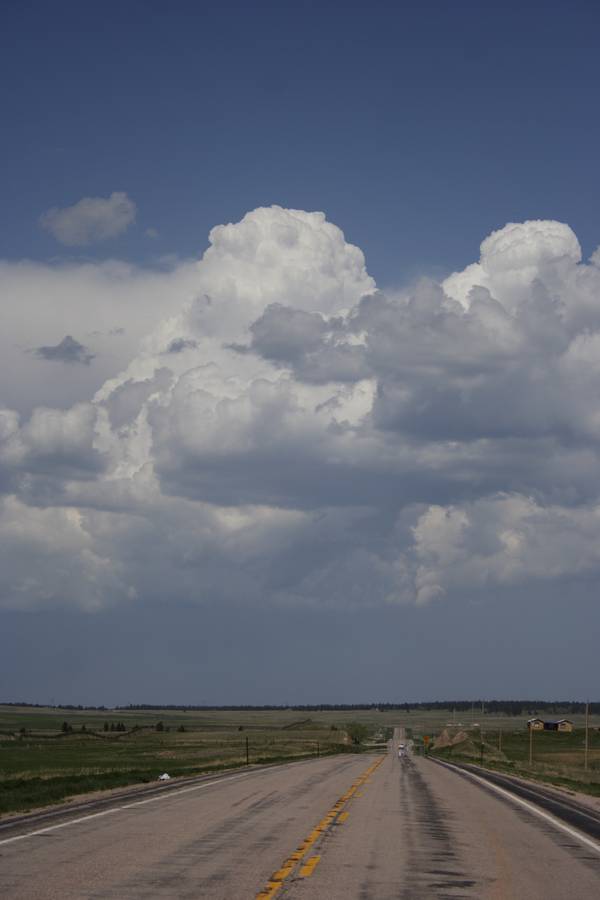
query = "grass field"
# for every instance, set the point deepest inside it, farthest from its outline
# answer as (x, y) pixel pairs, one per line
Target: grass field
(47, 755)
(556, 757)
(41, 764)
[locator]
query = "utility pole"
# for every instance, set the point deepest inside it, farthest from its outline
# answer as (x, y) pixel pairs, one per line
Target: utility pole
(530, 744)
(587, 728)
(247, 753)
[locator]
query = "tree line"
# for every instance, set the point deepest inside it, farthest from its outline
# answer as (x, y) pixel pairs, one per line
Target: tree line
(495, 707)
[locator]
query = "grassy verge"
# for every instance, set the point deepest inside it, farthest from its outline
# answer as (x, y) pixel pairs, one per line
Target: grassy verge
(23, 794)
(543, 775)
(48, 756)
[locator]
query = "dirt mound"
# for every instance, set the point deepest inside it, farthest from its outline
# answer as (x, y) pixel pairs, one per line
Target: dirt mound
(465, 744)
(442, 740)
(445, 739)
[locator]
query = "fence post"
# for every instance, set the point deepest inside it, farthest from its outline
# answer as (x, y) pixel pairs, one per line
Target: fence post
(587, 739)
(530, 744)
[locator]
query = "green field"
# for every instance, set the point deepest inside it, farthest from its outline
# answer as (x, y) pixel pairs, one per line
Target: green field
(556, 757)
(47, 755)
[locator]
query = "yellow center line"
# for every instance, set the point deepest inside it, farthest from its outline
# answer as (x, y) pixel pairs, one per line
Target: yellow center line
(309, 867)
(335, 814)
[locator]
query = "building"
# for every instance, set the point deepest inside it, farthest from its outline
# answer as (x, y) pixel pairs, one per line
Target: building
(536, 724)
(564, 725)
(561, 725)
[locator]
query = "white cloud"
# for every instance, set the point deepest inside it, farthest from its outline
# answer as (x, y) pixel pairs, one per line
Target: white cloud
(109, 307)
(91, 219)
(502, 540)
(517, 256)
(263, 425)
(49, 558)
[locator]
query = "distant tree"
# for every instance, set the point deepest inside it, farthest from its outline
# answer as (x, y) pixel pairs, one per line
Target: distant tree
(65, 728)
(106, 726)
(181, 728)
(159, 726)
(357, 732)
(83, 729)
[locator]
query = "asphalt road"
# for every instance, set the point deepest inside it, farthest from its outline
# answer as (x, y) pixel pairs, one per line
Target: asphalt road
(365, 827)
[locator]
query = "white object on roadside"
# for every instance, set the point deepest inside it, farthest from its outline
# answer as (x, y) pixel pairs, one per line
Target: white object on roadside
(164, 777)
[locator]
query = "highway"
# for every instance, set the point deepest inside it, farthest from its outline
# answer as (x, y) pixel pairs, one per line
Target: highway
(363, 827)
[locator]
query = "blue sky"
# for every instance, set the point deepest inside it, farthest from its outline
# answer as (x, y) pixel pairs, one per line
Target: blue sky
(417, 127)
(279, 381)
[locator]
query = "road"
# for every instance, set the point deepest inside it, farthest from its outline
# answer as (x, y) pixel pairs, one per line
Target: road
(362, 827)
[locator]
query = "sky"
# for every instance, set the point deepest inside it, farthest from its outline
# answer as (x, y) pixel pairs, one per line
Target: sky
(299, 351)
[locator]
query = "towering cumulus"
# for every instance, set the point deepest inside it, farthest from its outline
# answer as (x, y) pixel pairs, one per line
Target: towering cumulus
(265, 426)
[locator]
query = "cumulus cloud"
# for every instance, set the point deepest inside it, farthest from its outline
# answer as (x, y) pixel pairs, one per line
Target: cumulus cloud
(126, 400)
(67, 351)
(48, 557)
(112, 304)
(502, 540)
(280, 431)
(89, 220)
(316, 348)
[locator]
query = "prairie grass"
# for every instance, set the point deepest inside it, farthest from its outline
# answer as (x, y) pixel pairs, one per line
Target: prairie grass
(558, 758)
(40, 763)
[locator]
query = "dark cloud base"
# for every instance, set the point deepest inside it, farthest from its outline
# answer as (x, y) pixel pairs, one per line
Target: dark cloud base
(66, 351)
(499, 648)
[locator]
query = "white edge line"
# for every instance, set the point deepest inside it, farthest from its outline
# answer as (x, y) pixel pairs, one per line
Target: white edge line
(115, 809)
(589, 842)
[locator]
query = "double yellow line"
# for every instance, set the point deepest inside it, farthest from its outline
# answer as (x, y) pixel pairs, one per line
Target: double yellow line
(277, 878)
